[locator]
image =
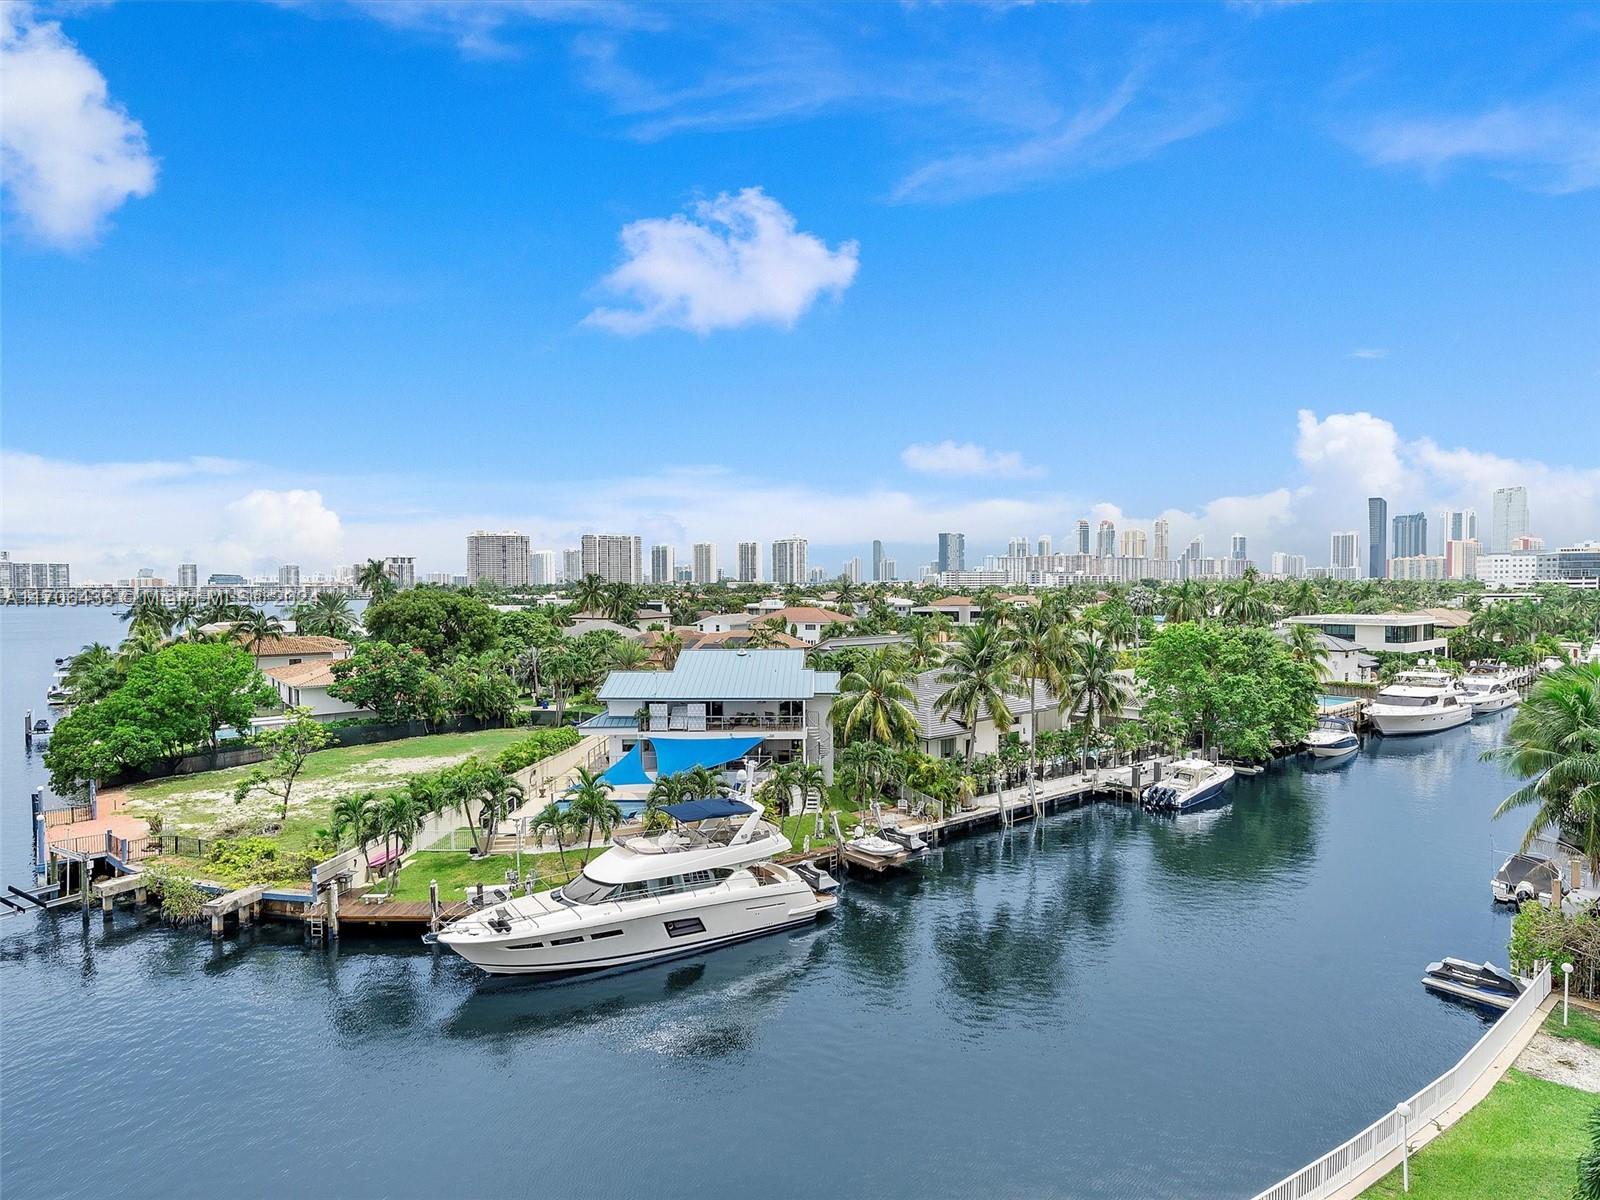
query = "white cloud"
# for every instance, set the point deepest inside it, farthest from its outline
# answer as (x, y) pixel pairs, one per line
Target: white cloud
(69, 155)
(965, 458)
(1369, 352)
(1547, 147)
(287, 525)
(1354, 447)
(736, 260)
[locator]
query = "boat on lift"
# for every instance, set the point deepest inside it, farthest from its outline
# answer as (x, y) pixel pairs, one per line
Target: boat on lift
(1477, 983)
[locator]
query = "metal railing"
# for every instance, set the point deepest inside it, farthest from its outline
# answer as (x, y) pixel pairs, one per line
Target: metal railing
(1344, 1163)
(679, 722)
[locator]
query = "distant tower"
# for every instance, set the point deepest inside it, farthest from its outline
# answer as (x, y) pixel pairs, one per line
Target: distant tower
(1510, 519)
(877, 560)
(952, 552)
(1377, 537)
(1163, 543)
(1083, 537)
(1240, 547)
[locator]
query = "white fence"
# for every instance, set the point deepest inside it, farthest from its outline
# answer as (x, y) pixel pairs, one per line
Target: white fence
(1345, 1163)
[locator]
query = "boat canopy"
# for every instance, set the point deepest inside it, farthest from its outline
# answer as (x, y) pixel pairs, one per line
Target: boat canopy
(629, 769)
(708, 809)
(682, 754)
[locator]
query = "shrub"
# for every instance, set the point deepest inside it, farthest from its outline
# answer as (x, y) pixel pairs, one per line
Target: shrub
(537, 746)
(182, 901)
(1540, 934)
(256, 860)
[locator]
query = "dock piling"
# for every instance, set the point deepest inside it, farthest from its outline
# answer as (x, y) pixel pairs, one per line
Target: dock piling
(433, 905)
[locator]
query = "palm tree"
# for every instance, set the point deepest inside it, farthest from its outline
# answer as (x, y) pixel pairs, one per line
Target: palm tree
(374, 579)
(1093, 685)
(765, 634)
(141, 640)
(1119, 622)
(620, 603)
(1306, 646)
(670, 644)
(328, 615)
(397, 820)
(550, 819)
(667, 790)
(866, 767)
(217, 610)
(924, 644)
(590, 593)
(976, 671)
(1039, 651)
(592, 805)
(1303, 599)
(498, 794)
(1244, 602)
(257, 625)
(1554, 743)
(875, 699)
(1189, 601)
(150, 611)
(626, 654)
(354, 814)
(780, 788)
(810, 781)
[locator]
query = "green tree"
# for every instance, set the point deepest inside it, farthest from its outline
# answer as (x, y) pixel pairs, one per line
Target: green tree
(1305, 645)
(395, 682)
(328, 615)
(397, 820)
(440, 623)
(1245, 602)
(1189, 601)
(480, 686)
(354, 816)
(92, 674)
(591, 803)
(558, 825)
(976, 673)
(1092, 685)
(589, 594)
(1040, 654)
(875, 701)
(1554, 744)
(374, 579)
(254, 626)
(287, 747)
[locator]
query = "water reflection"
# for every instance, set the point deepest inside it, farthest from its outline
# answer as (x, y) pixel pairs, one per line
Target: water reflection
(1267, 831)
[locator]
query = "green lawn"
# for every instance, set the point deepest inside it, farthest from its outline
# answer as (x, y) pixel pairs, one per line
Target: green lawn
(1581, 1026)
(456, 871)
(1522, 1141)
(198, 804)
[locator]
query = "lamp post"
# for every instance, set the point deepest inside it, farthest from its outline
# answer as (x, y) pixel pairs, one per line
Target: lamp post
(1404, 1110)
(1566, 979)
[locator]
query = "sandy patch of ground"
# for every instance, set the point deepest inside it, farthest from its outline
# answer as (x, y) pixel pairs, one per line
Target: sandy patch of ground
(1562, 1060)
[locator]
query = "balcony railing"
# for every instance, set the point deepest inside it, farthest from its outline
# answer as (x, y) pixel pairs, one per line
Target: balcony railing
(680, 722)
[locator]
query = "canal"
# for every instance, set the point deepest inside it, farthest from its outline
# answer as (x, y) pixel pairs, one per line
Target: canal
(1105, 1005)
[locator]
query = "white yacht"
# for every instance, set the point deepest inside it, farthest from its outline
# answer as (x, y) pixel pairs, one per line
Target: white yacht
(1188, 784)
(1489, 688)
(706, 883)
(1334, 737)
(1419, 702)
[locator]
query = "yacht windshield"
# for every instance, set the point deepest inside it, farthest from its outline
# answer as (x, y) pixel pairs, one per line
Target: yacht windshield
(1407, 701)
(584, 890)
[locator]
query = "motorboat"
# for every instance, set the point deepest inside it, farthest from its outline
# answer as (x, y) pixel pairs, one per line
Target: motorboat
(1419, 702)
(906, 841)
(1490, 687)
(706, 882)
(1524, 877)
(818, 878)
(876, 845)
(1334, 737)
(1189, 783)
(1476, 983)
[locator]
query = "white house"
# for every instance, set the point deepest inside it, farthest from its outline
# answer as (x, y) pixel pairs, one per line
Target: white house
(805, 621)
(306, 684)
(1404, 633)
(716, 708)
(723, 622)
(1347, 662)
(945, 736)
(959, 610)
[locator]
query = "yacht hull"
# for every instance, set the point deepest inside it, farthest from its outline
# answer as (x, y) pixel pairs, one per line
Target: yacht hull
(1494, 704)
(1199, 799)
(1337, 747)
(1432, 720)
(653, 934)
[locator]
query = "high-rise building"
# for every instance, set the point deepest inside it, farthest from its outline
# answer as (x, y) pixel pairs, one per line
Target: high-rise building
(1418, 566)
(663, 564)
(877, 560)
(402, 569)
(1410, 535)
(1461, 559)
(683, 573)
(1195, 550)
(34, 575)
(1241, 547)
(289, 575)
(188, 575)
(789, 561)
(439, 578)
(952, 552)
(1377, 537)
(1017, 548)
(888, 569)
(615, 557)
(1344, 550)
(1044, 546)
(1526, 542)
(501, 558)
(542, 568)
(1132, 544)
(1083, 537)
(1458, 525)
(816, 575)
(1162, 549)
(704, 558)
(1510, 519)
(749, 562)
(1106, 540)
(571, 565)
(852, 569)
(1288, 566)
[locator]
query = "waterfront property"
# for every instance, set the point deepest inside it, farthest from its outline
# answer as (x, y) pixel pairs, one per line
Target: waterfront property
(945, 735)
(290, 650)
(1405, 633)
(306, 684)
(713, 707)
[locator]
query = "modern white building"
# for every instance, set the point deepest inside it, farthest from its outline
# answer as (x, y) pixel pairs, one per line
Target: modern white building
(1106, 540)
(1458, 525)
(1418, 566)
(1461, 559)
(716, 708)
(1509, 570)
(615, 557)
(289, 575)
(188, 575)
(402, 568)
(1161, 539)
(704, 557)
(1241, 546)
(1407, 633)
(542, 568)
(500, 558)
(571, 565)
(1132, 544)
(33, 575)
(944, 735)
(1288, 566)
(749, 562)
(789, 562)
(852, 569)
(1344, 549)
(306, 684)
(1510, 518)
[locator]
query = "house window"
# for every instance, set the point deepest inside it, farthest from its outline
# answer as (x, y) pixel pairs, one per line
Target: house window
(292, 661)
(1399, 634)
(1347, 632)
(947, 747)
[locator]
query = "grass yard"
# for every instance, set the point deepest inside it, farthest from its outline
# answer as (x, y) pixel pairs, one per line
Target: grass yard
(198, 804)
(1582, 1026)
(1522, 1140)
(457, 871)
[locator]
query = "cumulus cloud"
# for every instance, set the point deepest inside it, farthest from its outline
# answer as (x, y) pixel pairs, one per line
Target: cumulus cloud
(264, 524)
(69, 155)
(1356, 447)
(1547, 147)
(736, 260)
(965, 458)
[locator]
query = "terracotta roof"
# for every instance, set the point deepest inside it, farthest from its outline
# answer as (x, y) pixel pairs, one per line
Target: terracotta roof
(294, 643)
(306, 674)
(952, 602)
(805, 614)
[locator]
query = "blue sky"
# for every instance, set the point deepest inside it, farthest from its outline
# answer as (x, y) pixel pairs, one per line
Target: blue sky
(329, 280)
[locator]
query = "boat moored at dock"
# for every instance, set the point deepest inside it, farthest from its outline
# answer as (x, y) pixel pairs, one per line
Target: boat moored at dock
(1190, 783)
(1477, 983)
(1419, 702)
(1334, 737)
(1490, 688)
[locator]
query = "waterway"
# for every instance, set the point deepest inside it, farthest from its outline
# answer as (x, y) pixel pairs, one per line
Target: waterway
(1106, 1005)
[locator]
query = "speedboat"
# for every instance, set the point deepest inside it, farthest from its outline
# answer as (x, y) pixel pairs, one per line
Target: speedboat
(1524, 877)
(1334, 737)
(708, 881)
(876, 845)
(1477, 983)
(1419, 702)
(1189, 784)
(1489, 688)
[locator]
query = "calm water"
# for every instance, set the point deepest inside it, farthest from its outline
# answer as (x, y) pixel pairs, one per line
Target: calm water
(1107, 1005)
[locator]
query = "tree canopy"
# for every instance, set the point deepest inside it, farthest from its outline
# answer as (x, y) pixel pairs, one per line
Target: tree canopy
(436, 621)
(396, 682)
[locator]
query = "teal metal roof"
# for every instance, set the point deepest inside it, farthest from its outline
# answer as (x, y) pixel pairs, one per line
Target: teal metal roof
(725, 675)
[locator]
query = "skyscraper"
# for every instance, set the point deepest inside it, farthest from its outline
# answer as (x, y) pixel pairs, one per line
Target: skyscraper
(501, 558)
(888, 568)
(1510, 520)
(188, 575)
(789, 561)
(289, 575)
(1458, 525)
(705, 562)
(1377, 537)
(1083, 537)
(1017, 548)
(877, 560)
(1044, 546)
(615, 557)
(1343, 550)
(1132, 543)
(1410, 535)
(1241, 550)
(571, 565)
(542, 568)
(663, 564)
(1106, 540)
(852, 569)
(1162, 549)
(749, 562)
(952, 552)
